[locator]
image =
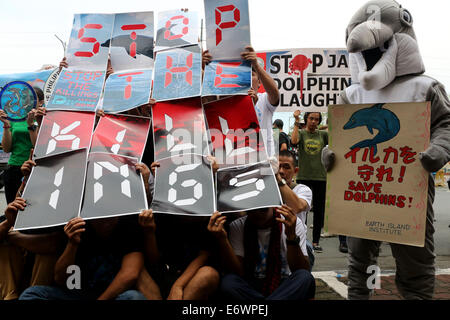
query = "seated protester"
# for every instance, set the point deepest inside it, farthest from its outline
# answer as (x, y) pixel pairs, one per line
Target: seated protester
(109, 255)
(180, 247)
(296, 196)
(27, 258)
(265, 256)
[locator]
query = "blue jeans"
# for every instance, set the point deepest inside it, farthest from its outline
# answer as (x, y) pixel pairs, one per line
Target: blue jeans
(300, 285)
(56, 293)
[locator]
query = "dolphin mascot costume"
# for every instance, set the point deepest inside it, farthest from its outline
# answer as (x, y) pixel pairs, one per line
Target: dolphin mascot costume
(386, 66)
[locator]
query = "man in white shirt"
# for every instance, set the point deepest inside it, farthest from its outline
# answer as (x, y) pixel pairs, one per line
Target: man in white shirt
(265, 103)
(265, 256)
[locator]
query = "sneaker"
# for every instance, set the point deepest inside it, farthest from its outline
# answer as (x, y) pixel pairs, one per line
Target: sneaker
(317, 248)
(343, 248)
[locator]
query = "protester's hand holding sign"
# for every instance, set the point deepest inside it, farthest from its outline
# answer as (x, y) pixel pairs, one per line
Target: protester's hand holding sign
(250, 55)
(215, 225)
(289, 221)
(63, 63)
(147, 220)
(144, 170)
(73, 230)
(153, 167)
(3, 118)
(13, 208)
(26, 167)
(206, 58)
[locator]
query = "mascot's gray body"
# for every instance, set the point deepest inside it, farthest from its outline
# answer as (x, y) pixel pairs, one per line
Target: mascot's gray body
(386, 66)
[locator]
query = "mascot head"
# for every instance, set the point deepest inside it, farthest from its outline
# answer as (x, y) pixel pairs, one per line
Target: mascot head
(382, 44)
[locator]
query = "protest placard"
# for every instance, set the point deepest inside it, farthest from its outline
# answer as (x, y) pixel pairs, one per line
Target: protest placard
(59, 201)
(63, 131)
(113, 187)
(227, 28)
(179, 128)
(80, 85)
(184, 185)
(227, 78)
(377, 188)
(178, 74)
(122, 135)
(17, 98)
(246, 188)
(131, 44)
(308, 79)
(236, 140)
(177, 28)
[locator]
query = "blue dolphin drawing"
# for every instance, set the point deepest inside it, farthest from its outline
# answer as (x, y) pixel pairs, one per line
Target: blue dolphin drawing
(375, 117)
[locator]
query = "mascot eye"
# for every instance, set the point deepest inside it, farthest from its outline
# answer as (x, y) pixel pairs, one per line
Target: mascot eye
(406, 17)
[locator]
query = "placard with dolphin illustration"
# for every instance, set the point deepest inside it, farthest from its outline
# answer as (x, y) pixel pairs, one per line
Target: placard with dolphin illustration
(377, 188)
(131, 44)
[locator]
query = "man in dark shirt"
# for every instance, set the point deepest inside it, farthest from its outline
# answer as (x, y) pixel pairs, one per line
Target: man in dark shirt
(283, 138)
(109, 255)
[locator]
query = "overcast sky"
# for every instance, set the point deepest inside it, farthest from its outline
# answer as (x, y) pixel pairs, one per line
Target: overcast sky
(27, 29)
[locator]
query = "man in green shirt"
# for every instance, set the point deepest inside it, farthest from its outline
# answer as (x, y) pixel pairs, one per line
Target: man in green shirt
(311, 172)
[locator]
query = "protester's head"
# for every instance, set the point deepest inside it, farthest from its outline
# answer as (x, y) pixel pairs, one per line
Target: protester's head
(278, 124)
(40, 96)
(260, 217)
(288, 165)
(256, 82)
(312, 120)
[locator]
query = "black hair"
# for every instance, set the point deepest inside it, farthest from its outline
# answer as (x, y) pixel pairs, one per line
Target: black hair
(278, 123)
(305, 117)
(288, 154)
(39, 93)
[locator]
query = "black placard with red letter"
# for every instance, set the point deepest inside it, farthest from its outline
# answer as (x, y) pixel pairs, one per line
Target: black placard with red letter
(123, 135)
(59, 201)
(113, 187)
(235, 132)
(63, 131)
(179, 128)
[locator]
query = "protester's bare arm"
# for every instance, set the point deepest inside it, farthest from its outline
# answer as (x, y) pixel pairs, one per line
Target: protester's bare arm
(294, 134)
(31, 118)
(7, 136)
(126, 278)
(269, 84)
(176, 292)
(73, 230)
(147, 222)
(230, 260)
(290, 197)
(11, 213)
(49, 243)
(63, 63)
(296, 259)
(145, 172)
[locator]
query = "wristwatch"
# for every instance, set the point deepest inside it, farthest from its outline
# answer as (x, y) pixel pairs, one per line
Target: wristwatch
(33, 127)
(294, 242)
(282, 182)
